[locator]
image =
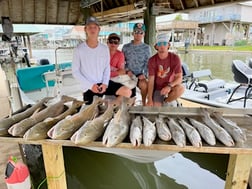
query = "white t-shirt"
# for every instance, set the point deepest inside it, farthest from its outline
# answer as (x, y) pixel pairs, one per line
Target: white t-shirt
(91, 65)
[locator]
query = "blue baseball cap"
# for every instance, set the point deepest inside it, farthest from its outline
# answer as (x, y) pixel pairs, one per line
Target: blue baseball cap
(139, 27)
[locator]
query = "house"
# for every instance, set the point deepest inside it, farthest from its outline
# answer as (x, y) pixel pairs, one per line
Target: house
(223, 25)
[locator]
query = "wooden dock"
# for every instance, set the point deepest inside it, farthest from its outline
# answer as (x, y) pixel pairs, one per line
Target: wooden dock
(240, 159)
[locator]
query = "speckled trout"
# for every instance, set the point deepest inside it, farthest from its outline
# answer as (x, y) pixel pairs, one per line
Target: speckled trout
(65, 128)
(93, 129)
(39, 131)
(6, 123)
(52, 110)
(136, 131)
(178, 134)
(205, 132)
(118, 128)
(231, 127)
(163, 131)
(219, 131)
(191, 133)
(149, 131)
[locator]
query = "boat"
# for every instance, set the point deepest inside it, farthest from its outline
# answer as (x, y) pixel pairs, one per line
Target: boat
(202, 88)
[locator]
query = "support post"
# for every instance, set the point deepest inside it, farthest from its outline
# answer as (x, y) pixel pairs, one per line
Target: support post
(54, 166)
(150, 22)
(238, 171)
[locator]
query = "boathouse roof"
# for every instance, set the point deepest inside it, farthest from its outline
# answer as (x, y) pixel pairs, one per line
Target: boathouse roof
(73, 12)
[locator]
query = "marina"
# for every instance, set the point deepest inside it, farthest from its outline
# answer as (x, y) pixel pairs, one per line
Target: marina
(62, 163)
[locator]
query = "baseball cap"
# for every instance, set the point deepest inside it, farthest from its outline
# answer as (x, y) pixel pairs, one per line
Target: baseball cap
(163, 37)
(139, 26)
(113, 36)
(92, 20)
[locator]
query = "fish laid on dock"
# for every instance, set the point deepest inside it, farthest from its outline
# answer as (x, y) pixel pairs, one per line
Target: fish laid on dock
(6, 123)
(118, 128)
(163, 130)
(53, 110)
(219, 131)
(65, 128)
(231, 127)
(39, 131)
(205, 132)
(149, 131)
(136, 131)
(191, 133)
(178, 134)
(93, 129)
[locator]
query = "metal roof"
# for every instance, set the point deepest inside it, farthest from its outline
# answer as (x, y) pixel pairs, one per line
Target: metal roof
(71, 12)
(23, 29)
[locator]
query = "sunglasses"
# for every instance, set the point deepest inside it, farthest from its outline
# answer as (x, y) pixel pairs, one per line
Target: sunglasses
(159, 44)
(138, 32)
(113, 41)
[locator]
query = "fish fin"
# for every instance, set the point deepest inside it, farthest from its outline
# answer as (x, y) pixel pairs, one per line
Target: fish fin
(35, 112)
(66, 98)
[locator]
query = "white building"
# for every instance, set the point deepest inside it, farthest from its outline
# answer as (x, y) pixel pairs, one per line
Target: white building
(223, 25)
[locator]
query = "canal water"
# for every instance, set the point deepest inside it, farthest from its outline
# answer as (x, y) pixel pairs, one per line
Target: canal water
(87, 169)
(219, 62)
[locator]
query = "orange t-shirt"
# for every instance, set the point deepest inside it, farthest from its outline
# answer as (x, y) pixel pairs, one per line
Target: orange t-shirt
(116, 63)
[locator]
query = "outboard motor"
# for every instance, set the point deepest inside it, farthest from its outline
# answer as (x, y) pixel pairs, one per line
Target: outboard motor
(44, 62)
(7, 29)
(250, 63)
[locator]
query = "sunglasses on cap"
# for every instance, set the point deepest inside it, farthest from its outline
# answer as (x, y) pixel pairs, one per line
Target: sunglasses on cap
(113, 41)
(138, 32)
(159, 44)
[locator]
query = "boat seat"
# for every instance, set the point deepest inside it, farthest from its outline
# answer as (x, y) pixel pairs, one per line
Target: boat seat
(242, 75)
(33, 78)
(187, 76)
(211, 84)
(207, 85)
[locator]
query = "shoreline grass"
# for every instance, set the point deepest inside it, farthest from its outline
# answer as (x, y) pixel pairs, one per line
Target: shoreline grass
(221, 48)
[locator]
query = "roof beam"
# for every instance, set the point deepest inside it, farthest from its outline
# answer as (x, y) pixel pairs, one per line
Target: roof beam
(46, 11)
(68, 11)
(57, 12)
(34, 15)
(196, 3)
(118, 10)
(182, 4)
(22, 8)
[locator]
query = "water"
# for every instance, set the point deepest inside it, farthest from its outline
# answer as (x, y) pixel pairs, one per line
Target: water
(87, 169)
(218, 62)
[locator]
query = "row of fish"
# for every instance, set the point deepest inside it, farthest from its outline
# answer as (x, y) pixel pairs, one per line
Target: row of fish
(115, 124)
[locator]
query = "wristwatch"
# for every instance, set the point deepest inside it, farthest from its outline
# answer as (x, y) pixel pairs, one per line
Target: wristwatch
(169, 85)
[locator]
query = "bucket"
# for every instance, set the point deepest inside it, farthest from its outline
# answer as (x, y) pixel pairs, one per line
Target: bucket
(17, 175)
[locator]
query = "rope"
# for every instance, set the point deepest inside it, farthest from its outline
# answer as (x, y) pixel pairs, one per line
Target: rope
(47, 178)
